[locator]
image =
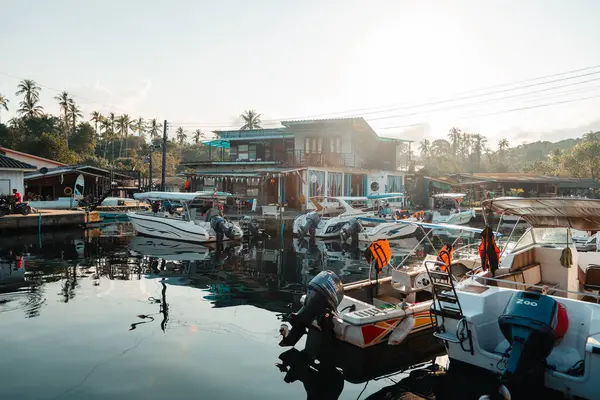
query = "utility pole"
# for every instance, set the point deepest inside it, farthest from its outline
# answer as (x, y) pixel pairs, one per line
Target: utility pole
(164, 158)
(151, 168)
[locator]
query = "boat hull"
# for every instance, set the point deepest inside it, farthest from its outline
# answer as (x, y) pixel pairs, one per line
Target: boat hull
(387, 230)
(173, 229)
(459, 218)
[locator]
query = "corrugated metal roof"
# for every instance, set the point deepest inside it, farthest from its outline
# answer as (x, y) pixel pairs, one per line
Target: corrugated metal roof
(11, 163)
(320, 120)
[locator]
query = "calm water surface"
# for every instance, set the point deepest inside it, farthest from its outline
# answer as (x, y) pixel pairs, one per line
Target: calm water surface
(102, 314)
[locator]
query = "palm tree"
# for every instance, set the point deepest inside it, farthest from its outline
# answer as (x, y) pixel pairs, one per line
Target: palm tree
(479, 142)
(74, 113)
(503, 144)
(105, 127)
(154, 129)
(424, 148)
(454, 135)
(29, 106)
(180, 134)
(97, 117)
(251, 120)
(139, 125)
(64, 99)
(3, 104)
(198, 134)
(123, 123)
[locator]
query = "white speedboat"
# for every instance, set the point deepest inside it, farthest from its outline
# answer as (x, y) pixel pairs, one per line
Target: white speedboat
(446, 209)
(188, 226)
(534, 320)
(316, 223)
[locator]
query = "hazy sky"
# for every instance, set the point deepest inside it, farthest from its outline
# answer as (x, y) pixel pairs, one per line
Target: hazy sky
(200, 63)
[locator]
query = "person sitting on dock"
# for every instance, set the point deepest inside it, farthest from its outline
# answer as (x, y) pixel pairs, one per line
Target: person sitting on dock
(18, 197)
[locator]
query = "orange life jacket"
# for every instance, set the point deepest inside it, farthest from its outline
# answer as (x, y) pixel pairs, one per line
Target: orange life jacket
(380, 251)
(488, 251)
(445, 256)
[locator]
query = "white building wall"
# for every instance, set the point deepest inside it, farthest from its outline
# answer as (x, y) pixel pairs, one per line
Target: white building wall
(9, 180)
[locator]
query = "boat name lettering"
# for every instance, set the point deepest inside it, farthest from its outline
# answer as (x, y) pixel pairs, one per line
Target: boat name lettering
(527, 302)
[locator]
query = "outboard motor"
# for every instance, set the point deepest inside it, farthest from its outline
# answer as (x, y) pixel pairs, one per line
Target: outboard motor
(350, 230)
(428, 217)
(531, 323)
(325, 292)
(225, 228)
(312, 222)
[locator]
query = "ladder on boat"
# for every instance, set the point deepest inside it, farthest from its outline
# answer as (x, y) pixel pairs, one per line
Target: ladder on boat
(446, 305)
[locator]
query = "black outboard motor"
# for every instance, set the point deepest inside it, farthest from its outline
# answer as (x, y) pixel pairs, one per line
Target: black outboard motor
(428, 217)
(325, 292)
(221, 227)
(350, 230)
(312, 222)
(529, 324)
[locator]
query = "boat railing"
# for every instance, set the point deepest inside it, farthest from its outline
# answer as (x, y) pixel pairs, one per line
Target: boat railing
(543, 288)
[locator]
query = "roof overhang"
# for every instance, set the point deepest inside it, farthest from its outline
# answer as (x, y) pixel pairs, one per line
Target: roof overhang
(582, 214)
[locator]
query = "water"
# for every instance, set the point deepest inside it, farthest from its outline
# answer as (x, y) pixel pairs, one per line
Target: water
(104, 314)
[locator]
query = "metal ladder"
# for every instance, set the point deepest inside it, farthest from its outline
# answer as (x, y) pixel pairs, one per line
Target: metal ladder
(446, 304)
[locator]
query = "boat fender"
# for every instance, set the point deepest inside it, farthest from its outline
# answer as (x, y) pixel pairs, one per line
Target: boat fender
(401, 331)
(562, 323)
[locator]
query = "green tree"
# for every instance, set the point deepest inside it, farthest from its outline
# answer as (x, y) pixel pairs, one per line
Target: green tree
(83, 140)
(30, 90)
(424, 148)
(198, 134)
(123, 125)
(154, 129)
(479, 142)
(454, 135)
(251, 120)
(106, 129)
(64, 101)
(181, 135)
(3, 104)
(74, 114)
(139, 126)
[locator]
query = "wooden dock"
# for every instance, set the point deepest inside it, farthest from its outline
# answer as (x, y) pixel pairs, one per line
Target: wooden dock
(48, 218)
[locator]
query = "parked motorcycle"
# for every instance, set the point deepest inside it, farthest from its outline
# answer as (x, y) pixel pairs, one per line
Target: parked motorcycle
(23, 208)
(4, 207)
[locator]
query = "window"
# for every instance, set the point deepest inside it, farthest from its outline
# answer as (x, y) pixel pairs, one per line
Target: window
(335, 145)
(267, 151)
(5, 186)
(242, 152)
(252, 152)
(313, 145)
(233, 153)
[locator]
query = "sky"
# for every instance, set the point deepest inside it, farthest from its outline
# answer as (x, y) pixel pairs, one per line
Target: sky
(412, 69)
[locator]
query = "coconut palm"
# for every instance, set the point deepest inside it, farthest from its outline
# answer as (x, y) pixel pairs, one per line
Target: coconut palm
(112, 119)
(3, 104)
(180, 134)
(74, 113)
(503, 144)
(97, 117)
(479, 143)
(454, 135)
(251, 120)
(154, 129)
(198, 134)
(123, 125)
(30, 90)
(105, 127)
(139, 125)
(64, 99)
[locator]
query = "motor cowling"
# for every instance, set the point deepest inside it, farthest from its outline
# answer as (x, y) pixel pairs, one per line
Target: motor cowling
(350, 230)
(310, 225)
(428, 217)
(324, 294)
(532, 323)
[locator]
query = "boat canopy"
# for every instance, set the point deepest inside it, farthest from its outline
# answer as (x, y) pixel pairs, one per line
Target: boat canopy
(448, 195)
(444, 226)
(181, 196)
(582, 214)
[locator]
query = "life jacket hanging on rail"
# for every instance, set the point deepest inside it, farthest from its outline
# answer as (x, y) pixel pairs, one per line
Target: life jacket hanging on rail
(379, 251)
(445, 256)
(488, 251)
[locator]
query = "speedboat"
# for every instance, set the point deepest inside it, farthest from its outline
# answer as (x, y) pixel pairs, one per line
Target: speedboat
(316, 223)
(163, 222)
(446, 209)
(532, 317)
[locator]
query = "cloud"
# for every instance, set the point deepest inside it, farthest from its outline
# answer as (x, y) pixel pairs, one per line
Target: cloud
(99, 97)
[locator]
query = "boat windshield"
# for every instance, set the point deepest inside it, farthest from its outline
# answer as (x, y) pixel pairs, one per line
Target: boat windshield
(544, 236)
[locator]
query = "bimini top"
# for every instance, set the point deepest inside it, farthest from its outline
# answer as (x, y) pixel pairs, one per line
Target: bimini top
(582, 214)
(384, 196)
(181, 196)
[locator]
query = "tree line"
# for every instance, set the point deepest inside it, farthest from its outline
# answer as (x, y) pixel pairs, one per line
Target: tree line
(104, 140)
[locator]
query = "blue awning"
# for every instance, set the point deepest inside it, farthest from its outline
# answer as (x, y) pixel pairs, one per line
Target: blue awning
(222, 144)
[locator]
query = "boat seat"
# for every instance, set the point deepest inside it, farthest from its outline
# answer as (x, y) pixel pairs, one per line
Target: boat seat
(523, 260)
(525, 277)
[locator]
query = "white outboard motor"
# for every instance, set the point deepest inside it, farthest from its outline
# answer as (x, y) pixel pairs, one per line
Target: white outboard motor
(532, 325)
(225, 228)
(324, 294)
(312, 222)
(350, 230)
